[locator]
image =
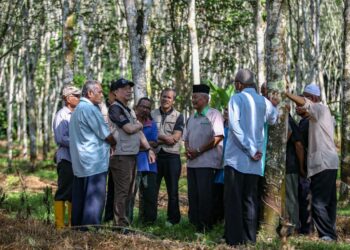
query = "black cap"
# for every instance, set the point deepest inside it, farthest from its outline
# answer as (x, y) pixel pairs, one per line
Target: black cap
(201, 88)
(120, 83)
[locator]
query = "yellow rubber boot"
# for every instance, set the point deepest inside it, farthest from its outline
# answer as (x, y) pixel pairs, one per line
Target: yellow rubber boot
(69, 208)
(59, 214)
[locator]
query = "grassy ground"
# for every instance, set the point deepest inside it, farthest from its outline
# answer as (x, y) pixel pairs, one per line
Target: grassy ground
(26, 205)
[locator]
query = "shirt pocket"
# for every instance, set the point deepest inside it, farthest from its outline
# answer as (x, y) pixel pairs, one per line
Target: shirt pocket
(169, 127)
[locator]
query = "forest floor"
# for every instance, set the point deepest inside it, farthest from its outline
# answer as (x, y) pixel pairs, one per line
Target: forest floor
(26, 220)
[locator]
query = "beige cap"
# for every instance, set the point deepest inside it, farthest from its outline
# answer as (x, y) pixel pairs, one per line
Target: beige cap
(70, 90)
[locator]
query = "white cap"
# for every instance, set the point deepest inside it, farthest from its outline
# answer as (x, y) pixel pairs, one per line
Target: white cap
(312, 89)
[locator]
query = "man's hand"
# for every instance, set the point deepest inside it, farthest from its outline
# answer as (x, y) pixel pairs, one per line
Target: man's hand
(192, 153)
(169, 140)
(151, 156)
(110, 140)
(257, 156)
(140, 125)
(302, 172)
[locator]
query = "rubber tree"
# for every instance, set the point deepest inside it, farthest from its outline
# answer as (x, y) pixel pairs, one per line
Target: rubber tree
(137, 18)
(345, 141)
(276, 69)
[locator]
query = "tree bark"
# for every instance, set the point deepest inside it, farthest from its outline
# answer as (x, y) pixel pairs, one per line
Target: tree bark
(138, 29)
(274, 196)
(345, 143)
(68, 40)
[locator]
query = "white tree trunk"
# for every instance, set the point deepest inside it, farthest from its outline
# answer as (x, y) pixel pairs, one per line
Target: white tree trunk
(9, 109)
(192, 28)
(260, 44)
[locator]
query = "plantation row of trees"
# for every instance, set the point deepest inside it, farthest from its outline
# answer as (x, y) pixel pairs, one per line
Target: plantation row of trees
(45, 44)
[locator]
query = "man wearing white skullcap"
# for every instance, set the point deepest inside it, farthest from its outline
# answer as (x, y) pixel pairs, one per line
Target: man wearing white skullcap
(322, 161)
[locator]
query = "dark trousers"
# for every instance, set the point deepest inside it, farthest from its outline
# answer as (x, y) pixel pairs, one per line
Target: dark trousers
(292, 204)
(110, 198)
(146, 183)
(324, 202)
(123, 168)
(305, 216)
(240, 197)
(88, 198)
(218, 202)
(170, 169)
(200, 185)
(64, 181)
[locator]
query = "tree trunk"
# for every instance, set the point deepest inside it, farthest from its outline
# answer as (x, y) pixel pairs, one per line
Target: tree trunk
(68, 41)
(47, 103)
(121, 26)
(345, 143)
(260, 44)
(192, 28)
(9, 109)
(24, 116)
(274, 197)
(138, 29)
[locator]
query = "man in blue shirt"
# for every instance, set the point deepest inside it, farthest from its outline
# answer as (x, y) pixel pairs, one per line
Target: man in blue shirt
(248, 111)
(70, 95)
(89, 148)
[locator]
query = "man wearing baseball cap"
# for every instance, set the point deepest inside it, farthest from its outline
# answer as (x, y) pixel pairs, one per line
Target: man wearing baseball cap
(70, 96)
(129, 137)
(322, 161)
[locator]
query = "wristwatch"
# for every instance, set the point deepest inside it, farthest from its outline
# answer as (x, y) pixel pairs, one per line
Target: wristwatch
(198, 151)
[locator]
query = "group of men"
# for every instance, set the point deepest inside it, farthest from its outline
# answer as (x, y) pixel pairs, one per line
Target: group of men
(140, 149)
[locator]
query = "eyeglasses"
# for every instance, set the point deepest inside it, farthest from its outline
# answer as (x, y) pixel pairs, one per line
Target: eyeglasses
(77, 96)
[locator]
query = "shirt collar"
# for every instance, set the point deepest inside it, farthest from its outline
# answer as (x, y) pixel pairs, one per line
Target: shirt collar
(249, 90)
(166, 113)
(67, 110)
(148, 123)
(126, 107)
(84, 99)
(203, 112)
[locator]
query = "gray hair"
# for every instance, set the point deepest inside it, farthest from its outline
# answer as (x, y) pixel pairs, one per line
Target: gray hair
(90, 85)
(167, 90)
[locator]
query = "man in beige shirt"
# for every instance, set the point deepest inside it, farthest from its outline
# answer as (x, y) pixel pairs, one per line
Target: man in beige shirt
(203, 143)
(322, 161)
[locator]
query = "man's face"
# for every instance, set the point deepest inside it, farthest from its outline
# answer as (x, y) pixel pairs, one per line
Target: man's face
(144, 108)
(198, 101)
(167, 99)
(96, 95)
(73, 100)
(310, 97)
(125, 92)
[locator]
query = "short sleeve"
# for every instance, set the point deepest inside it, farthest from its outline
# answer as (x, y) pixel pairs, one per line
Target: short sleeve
(117, 115)
(179, 124)
(217, 122)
